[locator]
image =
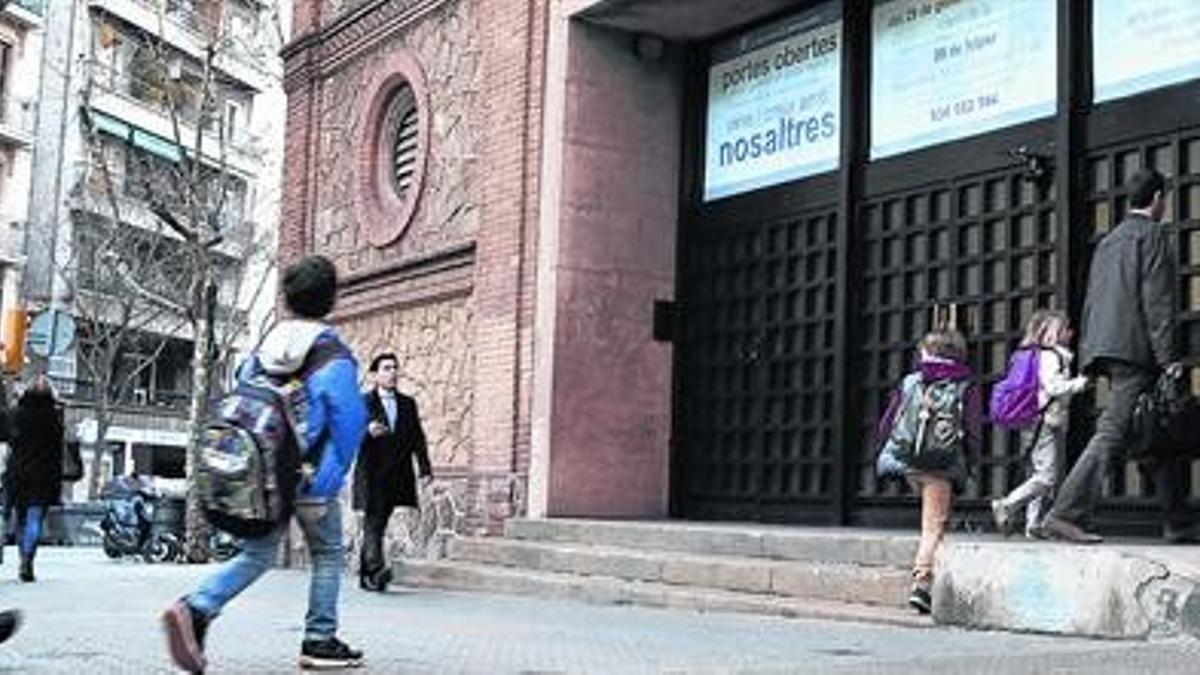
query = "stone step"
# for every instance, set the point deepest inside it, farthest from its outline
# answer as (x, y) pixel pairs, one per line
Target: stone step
(467, 576)
(878, 548)
(886, 586)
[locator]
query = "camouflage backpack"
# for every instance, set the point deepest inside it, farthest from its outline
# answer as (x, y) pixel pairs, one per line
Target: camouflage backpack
(928, 433)
(253, 453)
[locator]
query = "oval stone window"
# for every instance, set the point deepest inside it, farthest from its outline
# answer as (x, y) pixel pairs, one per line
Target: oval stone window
(393, 145)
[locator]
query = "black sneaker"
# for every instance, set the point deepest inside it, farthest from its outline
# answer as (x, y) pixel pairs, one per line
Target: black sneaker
(328, 654)
(185, 628)
(10, 621)
(918, 599)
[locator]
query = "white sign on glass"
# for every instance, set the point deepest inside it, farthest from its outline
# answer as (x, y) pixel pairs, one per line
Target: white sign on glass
(1143, 45)
(946, 69)
(773, 104)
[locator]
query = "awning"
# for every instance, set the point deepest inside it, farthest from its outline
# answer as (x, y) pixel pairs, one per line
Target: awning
(110, 125)
(150, 142)
(153, 143)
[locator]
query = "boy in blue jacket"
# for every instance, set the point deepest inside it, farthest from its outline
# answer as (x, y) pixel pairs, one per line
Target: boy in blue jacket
(336, 420)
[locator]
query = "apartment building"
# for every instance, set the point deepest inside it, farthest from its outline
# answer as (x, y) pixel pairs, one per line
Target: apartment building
(20, 57)
(138, 98)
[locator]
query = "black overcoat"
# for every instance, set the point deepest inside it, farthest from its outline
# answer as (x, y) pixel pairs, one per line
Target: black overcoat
(1129, 310)
(33, 476)
(383, 473)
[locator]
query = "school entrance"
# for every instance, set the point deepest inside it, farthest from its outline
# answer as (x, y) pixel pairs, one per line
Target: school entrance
(853, 170)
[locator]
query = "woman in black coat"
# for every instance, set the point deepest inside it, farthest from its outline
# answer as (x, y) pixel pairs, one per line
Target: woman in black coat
(383, 474)
(34, 474)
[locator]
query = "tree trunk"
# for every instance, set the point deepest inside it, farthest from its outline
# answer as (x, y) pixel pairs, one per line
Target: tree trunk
(98, 447)
(197, 526)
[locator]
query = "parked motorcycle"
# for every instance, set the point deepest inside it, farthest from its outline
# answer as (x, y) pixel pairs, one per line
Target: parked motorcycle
(129, 527)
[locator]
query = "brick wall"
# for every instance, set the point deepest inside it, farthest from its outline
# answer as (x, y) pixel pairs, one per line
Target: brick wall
(504, 287)
(454, 294)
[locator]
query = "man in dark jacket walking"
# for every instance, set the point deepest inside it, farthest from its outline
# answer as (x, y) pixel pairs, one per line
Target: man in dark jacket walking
(1128, 335)
(383, 477)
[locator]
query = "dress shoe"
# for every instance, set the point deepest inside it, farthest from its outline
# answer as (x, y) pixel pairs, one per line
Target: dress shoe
(1056, 528)
(1182, 534)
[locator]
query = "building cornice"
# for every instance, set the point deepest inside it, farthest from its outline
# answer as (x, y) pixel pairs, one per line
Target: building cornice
(349, 36)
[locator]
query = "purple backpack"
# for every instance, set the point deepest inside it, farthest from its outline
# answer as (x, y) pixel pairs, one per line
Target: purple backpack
(1014, 402)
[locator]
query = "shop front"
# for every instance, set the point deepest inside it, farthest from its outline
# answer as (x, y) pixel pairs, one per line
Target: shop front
(836, 176)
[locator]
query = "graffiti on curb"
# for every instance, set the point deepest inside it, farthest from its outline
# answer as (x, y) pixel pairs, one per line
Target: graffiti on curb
(1172, 604)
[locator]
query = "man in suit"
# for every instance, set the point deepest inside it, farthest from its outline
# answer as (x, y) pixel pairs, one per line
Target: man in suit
(384, 476)
(1129, 337)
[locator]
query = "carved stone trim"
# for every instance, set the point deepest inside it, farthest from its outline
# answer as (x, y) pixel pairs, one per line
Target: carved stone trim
(360, 30)
(436, 276)
(384, 215)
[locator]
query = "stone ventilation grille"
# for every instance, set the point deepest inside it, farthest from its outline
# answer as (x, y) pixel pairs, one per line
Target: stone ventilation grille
(403, 116)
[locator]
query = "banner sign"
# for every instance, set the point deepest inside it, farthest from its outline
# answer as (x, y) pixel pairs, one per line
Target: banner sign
(774, 95)
(946, 69)
(1143, 45)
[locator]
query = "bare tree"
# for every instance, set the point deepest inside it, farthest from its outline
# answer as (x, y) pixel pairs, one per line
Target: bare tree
(114, 323)
(196, 202)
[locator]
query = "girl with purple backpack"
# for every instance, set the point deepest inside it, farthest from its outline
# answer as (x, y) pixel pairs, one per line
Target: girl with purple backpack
(1044, 352)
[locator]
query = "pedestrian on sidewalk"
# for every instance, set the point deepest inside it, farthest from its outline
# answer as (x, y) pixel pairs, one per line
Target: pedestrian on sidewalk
(383, 475)
(1128, 336)
(6, 442)
(333, 428)
(931, 426)
(34, 472)
(1048, 334)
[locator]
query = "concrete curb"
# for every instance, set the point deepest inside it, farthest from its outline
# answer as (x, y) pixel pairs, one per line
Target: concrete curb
(1115, 592)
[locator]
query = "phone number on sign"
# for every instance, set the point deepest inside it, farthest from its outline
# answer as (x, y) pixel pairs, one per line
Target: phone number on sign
(966, 106)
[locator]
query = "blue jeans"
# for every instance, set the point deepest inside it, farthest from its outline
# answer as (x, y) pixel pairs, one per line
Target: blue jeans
(320, 519)
(30, 521)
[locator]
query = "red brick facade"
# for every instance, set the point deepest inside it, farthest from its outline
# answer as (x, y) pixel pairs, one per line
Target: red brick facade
(548, 200)
(453, 292)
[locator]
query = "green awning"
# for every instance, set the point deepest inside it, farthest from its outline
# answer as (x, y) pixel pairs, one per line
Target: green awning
(156, 144)
(110, 125)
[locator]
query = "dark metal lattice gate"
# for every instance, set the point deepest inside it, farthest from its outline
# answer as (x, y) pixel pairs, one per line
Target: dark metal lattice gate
(775, 315)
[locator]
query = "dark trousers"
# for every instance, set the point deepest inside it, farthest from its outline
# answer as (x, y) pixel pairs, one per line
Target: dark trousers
(1077, 498)
(374, 526)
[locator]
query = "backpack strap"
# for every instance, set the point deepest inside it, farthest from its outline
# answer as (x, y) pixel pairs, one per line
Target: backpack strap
(323, 351)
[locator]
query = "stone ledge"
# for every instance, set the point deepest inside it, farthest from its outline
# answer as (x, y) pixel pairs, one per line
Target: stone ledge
(452, 575)
(1110, 591)
(886, 548)
(859, 584)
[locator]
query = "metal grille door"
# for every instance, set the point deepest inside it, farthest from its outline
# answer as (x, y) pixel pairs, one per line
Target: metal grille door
(983, 246)
(754, 412)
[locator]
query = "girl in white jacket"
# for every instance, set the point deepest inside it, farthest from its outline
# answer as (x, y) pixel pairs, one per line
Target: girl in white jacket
(1050, 331)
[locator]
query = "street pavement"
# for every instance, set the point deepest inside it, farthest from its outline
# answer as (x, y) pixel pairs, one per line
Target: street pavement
(87, 614)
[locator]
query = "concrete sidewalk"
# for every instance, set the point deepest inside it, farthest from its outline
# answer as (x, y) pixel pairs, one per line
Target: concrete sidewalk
(87, 614)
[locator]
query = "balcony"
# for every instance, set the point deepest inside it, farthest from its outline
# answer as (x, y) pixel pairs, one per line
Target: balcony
(17, 119)
(190, 31)
(143, 104)
(85, 391)
(27, 12)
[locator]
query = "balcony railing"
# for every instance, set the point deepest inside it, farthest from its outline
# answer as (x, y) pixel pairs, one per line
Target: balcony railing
(85, 391)
(153, 95)
(37, 7)
(17, 117)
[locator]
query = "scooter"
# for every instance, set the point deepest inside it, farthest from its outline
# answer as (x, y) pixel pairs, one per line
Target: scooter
(127, 528)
